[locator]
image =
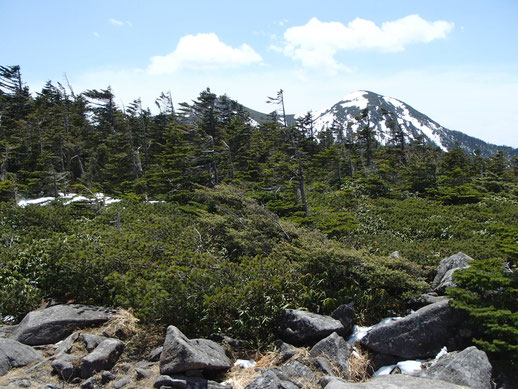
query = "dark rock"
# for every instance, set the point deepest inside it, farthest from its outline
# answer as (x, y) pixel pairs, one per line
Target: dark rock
(89, 383)
(445, 270)
(92, 341)
(14, 354)
(469, 367)
(345, 313)
(419, 335)
(298, 371)
(323, 365)
(122, 382)
(165, 380)
(271, 380)
(226, 339)
(104, 357)
(336, 349)
(50, 325)
(107, 376)
(426, 299)
(380, 360)
(51, 386)
(154, 356)
(286, 350)
(66, 344)
(143, 373)
(397, 381)
(301, 328)
(66, 366)
(181, 354)
(144, 364)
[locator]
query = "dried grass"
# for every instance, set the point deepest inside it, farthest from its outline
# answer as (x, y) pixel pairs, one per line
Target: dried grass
(360, 367)
(123, 325)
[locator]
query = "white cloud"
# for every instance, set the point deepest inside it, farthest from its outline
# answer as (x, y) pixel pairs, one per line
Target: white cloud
(120, 23)
(96, 34)
(116, 22)
(203, 51)
(316, 43)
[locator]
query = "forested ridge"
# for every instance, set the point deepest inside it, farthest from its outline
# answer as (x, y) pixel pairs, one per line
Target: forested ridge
(253, 217)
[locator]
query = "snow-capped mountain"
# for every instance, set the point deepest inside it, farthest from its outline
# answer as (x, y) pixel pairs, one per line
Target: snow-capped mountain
(382, 109)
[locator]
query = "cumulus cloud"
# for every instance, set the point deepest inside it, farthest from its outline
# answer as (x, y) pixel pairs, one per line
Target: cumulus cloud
(316, 43)
(203, 51)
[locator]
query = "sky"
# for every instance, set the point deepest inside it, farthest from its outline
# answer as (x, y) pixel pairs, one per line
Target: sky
(455, 61)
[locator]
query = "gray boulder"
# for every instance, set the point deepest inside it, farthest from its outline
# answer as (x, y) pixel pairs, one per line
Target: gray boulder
(50, 325)
(154, 355)
(301, 328)
(272, 379)
(181, 354)
(419, 335)
(92, 341)
(297, 371)
(468, 367)
(181, 382)
(104, 357)
(337, 350)
(66, 366)
(14, 354)
(426, 299)
(444, 277)
(345, 313)
(66, 344)
(396, 381)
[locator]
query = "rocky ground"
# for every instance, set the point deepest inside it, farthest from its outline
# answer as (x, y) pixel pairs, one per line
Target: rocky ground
(75, 346)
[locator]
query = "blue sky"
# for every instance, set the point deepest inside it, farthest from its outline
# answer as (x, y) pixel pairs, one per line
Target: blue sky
(456, 60)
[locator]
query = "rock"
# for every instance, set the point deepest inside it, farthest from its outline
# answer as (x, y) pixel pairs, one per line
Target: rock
(53, 324)
(226, 339)
(345, 313)
(286, 350)
(23, 383)
(396, 381)
(122, 382)
(296, 370)
(469, 367)
(88, 384)
(426, 299)
(165, 380)
(301, 328)
(419, 335)
(143, 373)
(66, 344)
(104, 357)
(92, 341)
(66, 366)
(107, 376)
(154, 356)
(51, 386)
(447, 266)
(323, 365)
(14, 354)
(181, 354)
(270, 380)
(337, 350)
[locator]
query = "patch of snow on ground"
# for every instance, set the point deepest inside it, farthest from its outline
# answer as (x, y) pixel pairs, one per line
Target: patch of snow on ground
(406, 367)
(443, 351)
(70, 197)
(359, 332)
(244, 363)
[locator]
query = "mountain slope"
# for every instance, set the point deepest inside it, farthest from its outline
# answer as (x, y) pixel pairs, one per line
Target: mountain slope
(414, 124)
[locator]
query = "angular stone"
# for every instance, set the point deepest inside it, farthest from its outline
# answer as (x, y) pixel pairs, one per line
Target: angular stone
(66, 344)
(154, 356)
(445, 269)
(468, 367)
(286, 350)
(92, 341)
(301, 328)
(344, 313)
(181, 354)
(270, 380)
(296, 370)
(122, 382)
(66, 366)
(15, 354)
(104, 357)
(53, 324)
(337, 350)
(397, 381)
(419, 335)
(143, 373)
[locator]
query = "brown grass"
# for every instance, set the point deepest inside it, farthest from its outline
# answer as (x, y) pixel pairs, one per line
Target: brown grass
(360, 368)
